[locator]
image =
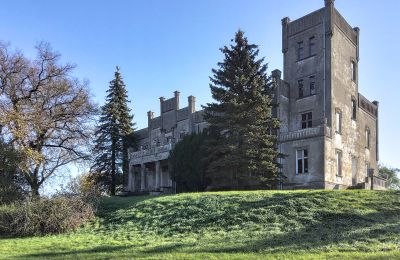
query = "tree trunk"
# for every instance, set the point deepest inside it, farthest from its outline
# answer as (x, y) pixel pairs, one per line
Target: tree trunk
(35, 190)
(113, 165)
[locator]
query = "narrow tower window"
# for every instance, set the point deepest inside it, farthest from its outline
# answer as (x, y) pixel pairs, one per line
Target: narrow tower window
(311, 46)
(353, 71)
(312, 85)
(367, 137)
(338, 121)
(354, 109)
(301, 88)
(338, 163)
(300, 50)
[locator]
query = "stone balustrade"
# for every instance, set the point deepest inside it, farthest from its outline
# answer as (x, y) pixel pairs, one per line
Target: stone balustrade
(304, 133)
(152, 154)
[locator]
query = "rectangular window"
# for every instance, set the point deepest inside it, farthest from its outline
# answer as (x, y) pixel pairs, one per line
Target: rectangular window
(300, 50)
(339, 163)
(301, 161)
(353, 109)
(301, 88)
(367, 137)
(311, 46)
(353, 71)
(338, 122)
(312, 85)
(306, 120)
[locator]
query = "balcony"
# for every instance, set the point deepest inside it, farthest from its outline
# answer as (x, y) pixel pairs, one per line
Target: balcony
(152, 154)
(305, 133)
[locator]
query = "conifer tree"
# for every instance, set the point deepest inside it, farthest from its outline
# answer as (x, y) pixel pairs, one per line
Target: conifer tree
(242, 147)
(113, 135)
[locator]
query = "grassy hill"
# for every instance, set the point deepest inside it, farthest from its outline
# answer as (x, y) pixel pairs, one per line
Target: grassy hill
(231, 225)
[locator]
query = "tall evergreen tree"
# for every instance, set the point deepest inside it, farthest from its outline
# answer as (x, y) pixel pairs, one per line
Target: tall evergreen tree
(113, 135)
(242, 144)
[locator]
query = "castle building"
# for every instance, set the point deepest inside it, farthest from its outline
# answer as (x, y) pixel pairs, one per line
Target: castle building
(148, 166)
(329, 131)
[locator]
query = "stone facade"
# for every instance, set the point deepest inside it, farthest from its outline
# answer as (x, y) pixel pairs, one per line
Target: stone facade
(148, 166)
(329, 131)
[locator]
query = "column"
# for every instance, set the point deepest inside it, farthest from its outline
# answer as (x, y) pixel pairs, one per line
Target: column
(129, 184)
(161, 177)
(132, 183)
(157, 175)
(142, 176)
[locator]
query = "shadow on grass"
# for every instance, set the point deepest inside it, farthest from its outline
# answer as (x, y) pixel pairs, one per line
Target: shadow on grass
(99, 249)
(330, 230)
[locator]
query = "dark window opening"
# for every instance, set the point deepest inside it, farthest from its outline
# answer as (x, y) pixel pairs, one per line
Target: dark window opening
(306, 120)
(301, 88)
(312, 85)
(311, 46)
(300, 50)
(354, 109)
(367, 137)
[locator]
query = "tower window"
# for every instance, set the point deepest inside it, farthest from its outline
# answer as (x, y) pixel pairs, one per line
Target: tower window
(301, 161)
(311, 46)
(300, 83)
(306, 120)
(338, 121)
(353, 109)
(367, 137)
(338, 163)
(300, 50)
(353, 71)
(312, 85)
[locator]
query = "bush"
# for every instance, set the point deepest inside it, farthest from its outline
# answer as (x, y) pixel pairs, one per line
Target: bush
(44, 216)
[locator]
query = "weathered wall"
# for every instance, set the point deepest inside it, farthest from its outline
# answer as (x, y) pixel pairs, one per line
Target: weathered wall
(315, 177)
(343, 90)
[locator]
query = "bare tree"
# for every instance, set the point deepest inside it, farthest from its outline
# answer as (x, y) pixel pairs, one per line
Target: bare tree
(45, 112)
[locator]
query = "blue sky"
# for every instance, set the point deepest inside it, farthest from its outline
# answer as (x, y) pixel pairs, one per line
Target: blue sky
(163, 46)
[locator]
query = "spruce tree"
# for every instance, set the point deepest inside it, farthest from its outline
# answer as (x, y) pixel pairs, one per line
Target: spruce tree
(242, 147)
(113, 135)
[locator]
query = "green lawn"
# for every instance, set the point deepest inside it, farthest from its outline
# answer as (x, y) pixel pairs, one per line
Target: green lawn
(231, 225)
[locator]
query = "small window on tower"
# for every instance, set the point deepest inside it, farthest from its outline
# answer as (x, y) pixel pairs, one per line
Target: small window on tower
(300, 50)
(338, 163)
(301, 88)
(367, 137)
(311, 46)
(338, 121)
(306, 120)
(312, 85)
(353, 71)
(354, 109)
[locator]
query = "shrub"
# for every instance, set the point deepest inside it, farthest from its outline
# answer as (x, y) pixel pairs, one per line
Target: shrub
(44, 216)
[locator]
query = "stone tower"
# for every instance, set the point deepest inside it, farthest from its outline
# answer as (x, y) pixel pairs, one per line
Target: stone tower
(329, 130)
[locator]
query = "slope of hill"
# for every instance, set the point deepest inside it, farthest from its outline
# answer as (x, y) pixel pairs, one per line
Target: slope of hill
(231, 225)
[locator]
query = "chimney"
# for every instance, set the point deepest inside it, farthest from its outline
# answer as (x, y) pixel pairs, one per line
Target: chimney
(285, 23)
(176, 93)
(357, 30)
(192, 104)
(276, 74)
(150, 115)
(329, 2)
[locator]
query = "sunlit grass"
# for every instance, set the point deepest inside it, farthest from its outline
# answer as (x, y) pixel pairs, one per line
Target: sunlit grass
(231, 225)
